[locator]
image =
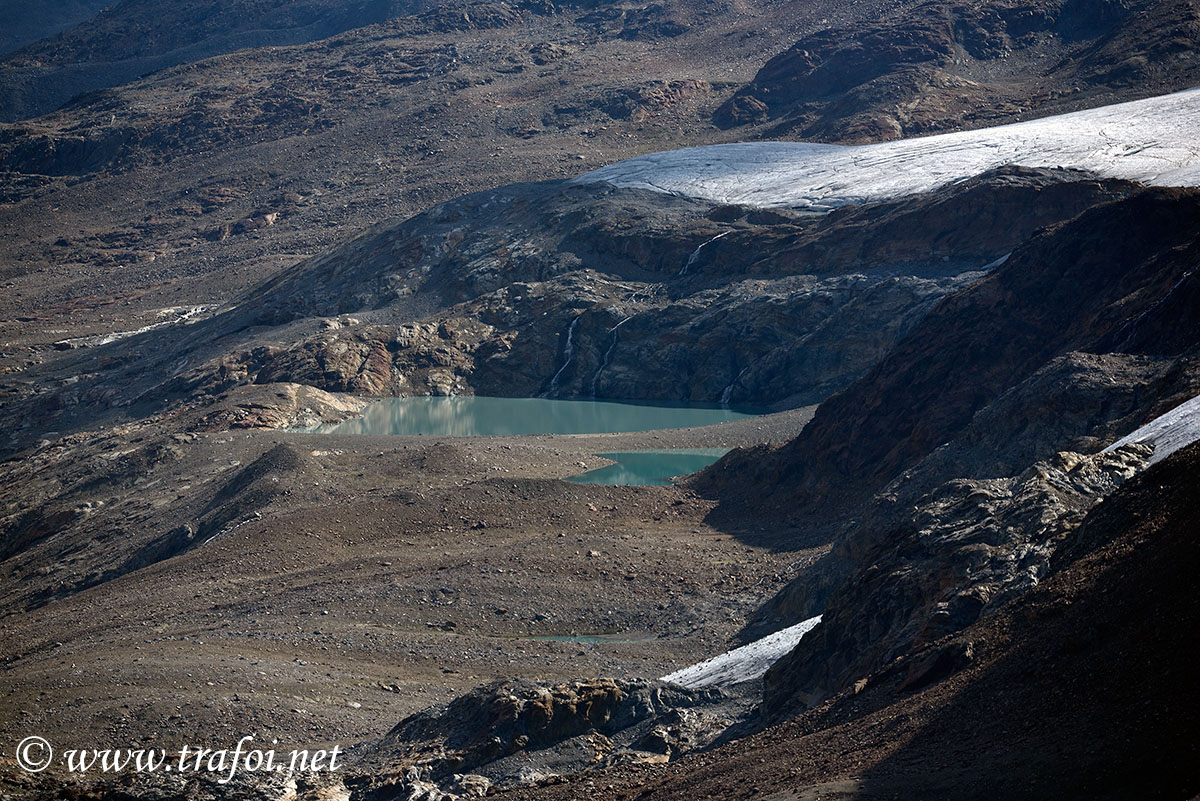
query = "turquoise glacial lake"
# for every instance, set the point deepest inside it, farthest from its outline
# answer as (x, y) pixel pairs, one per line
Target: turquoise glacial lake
(643, 468)
(490, 417)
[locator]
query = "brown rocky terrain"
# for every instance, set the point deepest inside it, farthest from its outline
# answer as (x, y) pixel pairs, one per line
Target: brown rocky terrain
(255, 238)
(28, 21)
(319, 589)
(134, 38)
(482, 294)
(193, 184)
(1082, 683)
(260, 157)
(897, 582)
(1079, 687)
(969, 65)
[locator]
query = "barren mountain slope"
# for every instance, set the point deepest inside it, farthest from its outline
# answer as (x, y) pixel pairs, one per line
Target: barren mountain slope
(967, 65)
(1080, 688)
(1118, 279)
(570, 291)
(183, 187)
(132, 38)
(231, 247)
(195, 183)
(28, 21)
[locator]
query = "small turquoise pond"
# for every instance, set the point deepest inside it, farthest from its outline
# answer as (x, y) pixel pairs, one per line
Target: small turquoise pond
(490, 417)
(650, 468)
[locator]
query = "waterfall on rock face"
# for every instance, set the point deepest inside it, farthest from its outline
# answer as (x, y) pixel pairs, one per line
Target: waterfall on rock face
(728, 393)
(1132, 325)
(568, 355)
(692, 259)
(608, 353)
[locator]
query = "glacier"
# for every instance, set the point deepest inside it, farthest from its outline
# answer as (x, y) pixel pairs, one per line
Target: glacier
(1168, 433)
(743, 664)
(1155, 141)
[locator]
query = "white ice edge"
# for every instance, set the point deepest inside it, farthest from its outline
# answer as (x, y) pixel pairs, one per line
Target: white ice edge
(1155, 141)
(743, 664)
(1172, 431)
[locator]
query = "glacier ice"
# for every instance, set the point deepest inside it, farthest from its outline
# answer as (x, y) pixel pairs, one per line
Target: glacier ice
(1155, 141)
(1168, 433)
(743, 664)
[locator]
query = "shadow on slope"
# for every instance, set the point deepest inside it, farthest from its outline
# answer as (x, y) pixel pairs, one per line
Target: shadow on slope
(1113, 279)
(137, 37)
(1084, 687)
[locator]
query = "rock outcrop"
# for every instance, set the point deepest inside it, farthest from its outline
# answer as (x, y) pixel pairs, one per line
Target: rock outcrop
(660, 298)
(913, 71)
(1081, 687)
(520, 732)
(1071, 343)
(1113, 280)
(963, 551)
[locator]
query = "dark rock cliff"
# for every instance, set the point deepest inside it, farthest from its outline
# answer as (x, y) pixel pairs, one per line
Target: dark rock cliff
(966, 549)
(521, 732)
(1119, 278)
(1085, 333)
(1083, 687)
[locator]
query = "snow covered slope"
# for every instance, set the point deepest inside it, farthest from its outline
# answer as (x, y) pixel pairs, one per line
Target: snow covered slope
(745, 663)
(1156, 141)
(1176, 429)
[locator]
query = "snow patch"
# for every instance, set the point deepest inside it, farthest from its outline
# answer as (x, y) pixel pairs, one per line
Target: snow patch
(1155, 141)
(997, 263)
(743, 664)
(1172, 431)
(168, 316)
